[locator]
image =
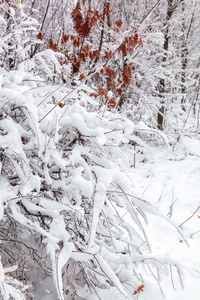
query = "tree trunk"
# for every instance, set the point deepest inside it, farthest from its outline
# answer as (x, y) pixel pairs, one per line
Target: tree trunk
(162, 83)
(184, 53)
(11, 54)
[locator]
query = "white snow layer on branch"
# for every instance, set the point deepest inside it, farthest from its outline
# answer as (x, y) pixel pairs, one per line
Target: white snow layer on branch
(109, 273)
(98, 203)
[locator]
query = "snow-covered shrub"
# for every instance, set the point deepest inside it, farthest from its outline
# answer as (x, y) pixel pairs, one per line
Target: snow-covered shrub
(18, 31)
(66, 187)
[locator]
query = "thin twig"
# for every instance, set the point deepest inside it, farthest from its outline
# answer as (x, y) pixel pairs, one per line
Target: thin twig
(149, 12)
(156, 280)
(181, 282)
(190, 217)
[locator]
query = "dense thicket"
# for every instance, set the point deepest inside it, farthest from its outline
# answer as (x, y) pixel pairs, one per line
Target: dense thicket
(82, 84)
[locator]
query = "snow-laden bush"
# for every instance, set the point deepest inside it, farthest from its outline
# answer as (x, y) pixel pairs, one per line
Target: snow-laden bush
(18, 31)
(65, 188)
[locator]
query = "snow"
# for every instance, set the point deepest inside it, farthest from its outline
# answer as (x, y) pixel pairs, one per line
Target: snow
(111, 275)
(2, 21)
(173, 183)
(190, 145)
(48, 55)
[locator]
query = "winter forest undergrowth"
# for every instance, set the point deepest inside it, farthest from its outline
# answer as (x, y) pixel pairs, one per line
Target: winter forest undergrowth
(99, 149)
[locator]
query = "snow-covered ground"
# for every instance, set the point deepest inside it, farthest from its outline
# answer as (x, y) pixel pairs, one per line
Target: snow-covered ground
(174, 188)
